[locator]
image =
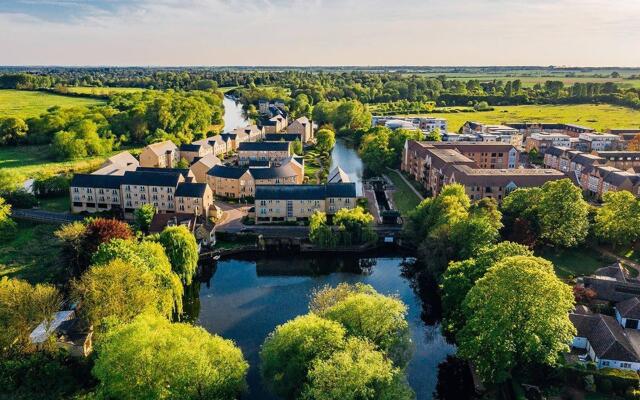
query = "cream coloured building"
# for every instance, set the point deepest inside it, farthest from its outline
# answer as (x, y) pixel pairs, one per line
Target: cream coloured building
(253, 132)
(194, 198)
(302, 126)
(161, 155)
(202, 166)
(190, 152)
(280, 203)
(275, 152)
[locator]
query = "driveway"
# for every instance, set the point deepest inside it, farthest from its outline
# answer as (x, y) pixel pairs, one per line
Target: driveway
(232, 217)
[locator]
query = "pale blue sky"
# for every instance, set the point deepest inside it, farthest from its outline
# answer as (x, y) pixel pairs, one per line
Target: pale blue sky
(320, 32)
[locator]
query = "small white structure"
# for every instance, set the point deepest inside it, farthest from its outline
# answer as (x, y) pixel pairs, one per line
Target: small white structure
(337, 175)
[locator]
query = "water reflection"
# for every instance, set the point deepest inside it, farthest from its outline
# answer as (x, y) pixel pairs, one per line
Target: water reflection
(245, 299)
(233, 115)
(349, 160)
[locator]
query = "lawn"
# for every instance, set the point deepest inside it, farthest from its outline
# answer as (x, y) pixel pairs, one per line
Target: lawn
(30, 160)
(404, 198)
(32, 254)
(60, 203)
(99, 91)
(25, 104)
(600, 117)
(574, 262)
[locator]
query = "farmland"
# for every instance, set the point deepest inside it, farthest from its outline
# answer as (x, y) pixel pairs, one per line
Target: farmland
(600, 117)
(25, 104)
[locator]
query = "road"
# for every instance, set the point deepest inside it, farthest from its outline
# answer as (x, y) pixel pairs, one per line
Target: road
(45, 216)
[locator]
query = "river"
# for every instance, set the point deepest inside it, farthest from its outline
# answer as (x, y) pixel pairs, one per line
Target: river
(233, 115)
(245, 299)
(349, 160)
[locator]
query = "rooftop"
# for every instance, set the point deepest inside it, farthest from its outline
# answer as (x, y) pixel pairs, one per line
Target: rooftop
(305, 192)
(264, 146)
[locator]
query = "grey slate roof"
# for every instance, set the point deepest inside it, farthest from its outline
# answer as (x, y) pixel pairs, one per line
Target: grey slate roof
(224, 171)
(272, 173)
(190, 147)
(188, 189)
(287, 137)
(305, 192)
(606, 337)
(97, 181)
(151, 178)
(263, 146)
(612, 283)
(183, 171)
(629, 308)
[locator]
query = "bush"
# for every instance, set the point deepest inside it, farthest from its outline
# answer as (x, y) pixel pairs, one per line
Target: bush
(21, 199)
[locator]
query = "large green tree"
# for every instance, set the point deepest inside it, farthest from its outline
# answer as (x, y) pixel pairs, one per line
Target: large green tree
(618, 220)
(287, 353)
(375, 150)
(7, 225)
(182, 250)
(517, 314)
(325, 139)
(460, 276)
(377, 318)
(563, 214)
(143, 217)
(13, 130)
(358, 372)
(151, 358)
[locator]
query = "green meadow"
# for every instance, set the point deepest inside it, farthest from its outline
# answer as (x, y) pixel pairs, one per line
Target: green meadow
(102, 91)
(598, 116)
(25, 104)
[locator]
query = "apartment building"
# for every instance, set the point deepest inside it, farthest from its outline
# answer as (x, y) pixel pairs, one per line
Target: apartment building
(541, 142)
(275, 152)
(280, 203)
(598, 141)
(162, 155)
(193, 198)
(493, 133)
(302, 126)
(527, 128)
(216, 142)
(426, 124)
(202, 166)
(128, 192)
(239, 182)
(285, 137)
(253, 132)
(118, 164)
(275, 124)
(495, 183)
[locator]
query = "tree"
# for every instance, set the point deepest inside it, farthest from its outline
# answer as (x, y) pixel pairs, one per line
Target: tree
(183, 163)
(116, 292)
(460, 276)
(296, 147)
(351, 115)
(359, 372)
(533, 328)
(151, 358)
(182, 250)
(320, 233)
(354, 226)
(325, 139)
(7, 225)
(375, 151)
(618, 220)
(562, 214)
(143, 217)
(377, 318)
(289, 350)
(634, 144)
(434, 136)
(22, 307)
(397, 139)
(147, 256)
(472, 234)
(13, 131)
(326, 297)
(10, 180)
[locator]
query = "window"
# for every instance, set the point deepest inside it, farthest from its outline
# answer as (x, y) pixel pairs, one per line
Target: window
(605, 363)
(76, 190)
(625, 365)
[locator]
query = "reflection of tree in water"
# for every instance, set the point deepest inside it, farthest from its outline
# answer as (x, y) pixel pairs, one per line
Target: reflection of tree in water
(426, 287)
(191, 296)
(314, 266)
(454, 380)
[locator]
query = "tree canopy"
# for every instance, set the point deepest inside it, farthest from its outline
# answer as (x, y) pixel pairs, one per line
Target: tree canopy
(617, 221)
(325, 139)
(151, 358)
(182, 250)
(517, 314)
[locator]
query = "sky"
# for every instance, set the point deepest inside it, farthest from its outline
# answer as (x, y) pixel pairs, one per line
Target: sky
(320, 32)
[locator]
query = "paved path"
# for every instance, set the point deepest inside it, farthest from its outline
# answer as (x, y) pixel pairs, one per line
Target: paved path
(50, 217)
(420, 196)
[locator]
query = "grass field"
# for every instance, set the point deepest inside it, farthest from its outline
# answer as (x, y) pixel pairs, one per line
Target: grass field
(102, 90)
(25, 104)
(600, 117)
(575, 262)
(404, 198)
(32, 254)
(30, 160)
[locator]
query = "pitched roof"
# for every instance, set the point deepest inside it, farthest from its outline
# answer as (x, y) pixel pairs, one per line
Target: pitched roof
(151, 178)
(305, 192)
(264, 146)
(96, 181)
(283, 171)
(606, 337)
(338, 175)
(520, 177)
(287, 137)
(123, 158)
(183, 171)
(225, 171)
(190, 147)
(629, 308)
(162, 147)
(190, 189)
(209, 160)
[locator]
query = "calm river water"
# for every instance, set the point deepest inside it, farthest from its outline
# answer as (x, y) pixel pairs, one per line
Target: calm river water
(244, 300)
(233, 115)
(349, 160)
